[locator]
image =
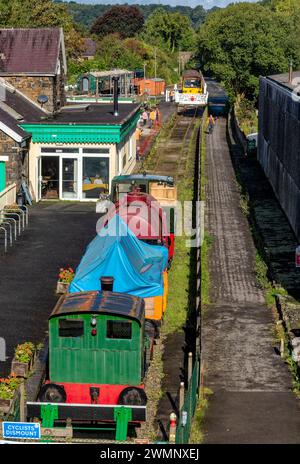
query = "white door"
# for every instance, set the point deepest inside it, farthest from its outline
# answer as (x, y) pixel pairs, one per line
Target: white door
(69, 178)
(39, 179)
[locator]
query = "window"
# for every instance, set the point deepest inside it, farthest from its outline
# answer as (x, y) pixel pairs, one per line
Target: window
(70, 328)
(95, 176)
(59, 150)
(118, 330)
(192, 83)
(95, 151)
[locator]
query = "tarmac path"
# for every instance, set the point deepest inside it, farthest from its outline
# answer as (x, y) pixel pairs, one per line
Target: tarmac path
(252, 401)
(57, 236)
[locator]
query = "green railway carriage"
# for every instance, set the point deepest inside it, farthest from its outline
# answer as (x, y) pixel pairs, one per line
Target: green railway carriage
(98, 356)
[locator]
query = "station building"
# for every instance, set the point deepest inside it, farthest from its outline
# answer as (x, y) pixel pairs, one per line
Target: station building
(75, 153)
(60, 152)
(279, 140)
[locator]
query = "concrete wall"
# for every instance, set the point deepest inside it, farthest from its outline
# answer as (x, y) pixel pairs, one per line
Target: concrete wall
(279, 146)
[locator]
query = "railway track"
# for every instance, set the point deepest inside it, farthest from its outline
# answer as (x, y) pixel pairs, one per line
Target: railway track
(172, 157)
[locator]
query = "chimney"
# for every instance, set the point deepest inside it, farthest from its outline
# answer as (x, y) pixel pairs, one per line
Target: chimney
(291, 72)
(115, 80)
(107, 283)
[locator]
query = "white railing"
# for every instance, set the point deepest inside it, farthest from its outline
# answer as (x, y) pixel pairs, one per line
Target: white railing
(8, 196)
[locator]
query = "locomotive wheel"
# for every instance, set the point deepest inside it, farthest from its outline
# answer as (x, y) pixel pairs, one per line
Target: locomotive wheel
(132, 396)
(52, 393)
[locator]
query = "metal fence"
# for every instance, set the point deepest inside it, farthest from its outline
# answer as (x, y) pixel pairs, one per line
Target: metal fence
(187, 411)
(188, 398)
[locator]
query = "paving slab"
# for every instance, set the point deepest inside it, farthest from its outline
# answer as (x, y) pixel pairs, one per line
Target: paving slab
(252, 400)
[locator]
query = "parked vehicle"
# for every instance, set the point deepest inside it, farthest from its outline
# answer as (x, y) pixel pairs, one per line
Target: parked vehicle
(161, 189)
(138, 268)
(193, 92)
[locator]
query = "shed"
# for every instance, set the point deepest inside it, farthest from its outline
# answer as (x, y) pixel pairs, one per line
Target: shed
(100, 83)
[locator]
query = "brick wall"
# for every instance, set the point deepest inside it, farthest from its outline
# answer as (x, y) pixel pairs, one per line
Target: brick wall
(32, 87)
(18, 161)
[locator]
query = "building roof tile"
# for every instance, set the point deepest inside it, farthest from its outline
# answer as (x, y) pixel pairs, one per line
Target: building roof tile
(29, 51)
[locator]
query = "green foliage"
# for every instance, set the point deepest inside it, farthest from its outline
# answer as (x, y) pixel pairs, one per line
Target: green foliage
(8, 387)
(87, 14)
(115, 53)
(131, 53)
(241, 42)
(24, 352)
(289, 13)
(125, 20)
(169, 30)
(246, 114)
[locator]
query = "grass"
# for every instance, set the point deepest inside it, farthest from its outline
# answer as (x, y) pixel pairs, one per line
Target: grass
(165, 133)
(181, 272)
(178, 298)
(197, 436)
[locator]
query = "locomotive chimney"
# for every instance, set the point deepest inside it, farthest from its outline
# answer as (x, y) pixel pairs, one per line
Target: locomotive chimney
(115, 80)
(107, 283)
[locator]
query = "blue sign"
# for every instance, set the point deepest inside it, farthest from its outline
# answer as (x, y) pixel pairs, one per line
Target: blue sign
(31, 430)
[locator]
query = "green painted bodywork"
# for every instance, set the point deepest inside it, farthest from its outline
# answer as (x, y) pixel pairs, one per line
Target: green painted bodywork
(2, 175)
(80, 133)
(95, 359)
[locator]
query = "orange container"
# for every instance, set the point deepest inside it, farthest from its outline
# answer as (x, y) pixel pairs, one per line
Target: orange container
(153, 87)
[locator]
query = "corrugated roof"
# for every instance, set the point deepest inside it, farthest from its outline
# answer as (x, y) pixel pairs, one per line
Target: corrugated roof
(29, 51)
(100, 302)
(112, 72)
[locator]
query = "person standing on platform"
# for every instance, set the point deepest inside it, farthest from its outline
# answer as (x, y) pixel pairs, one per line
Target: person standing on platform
(145, 117)
(152, 117)
(211, 124)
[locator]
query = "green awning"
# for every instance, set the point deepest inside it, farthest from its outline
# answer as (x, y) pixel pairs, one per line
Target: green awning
(80, 133)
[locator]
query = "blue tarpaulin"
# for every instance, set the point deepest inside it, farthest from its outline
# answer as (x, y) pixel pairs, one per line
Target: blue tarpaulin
(136, 266)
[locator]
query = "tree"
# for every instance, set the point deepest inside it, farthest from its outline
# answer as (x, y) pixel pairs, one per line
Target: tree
(124, 20)
(169, 30)
(241, 42)
(289, 13)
